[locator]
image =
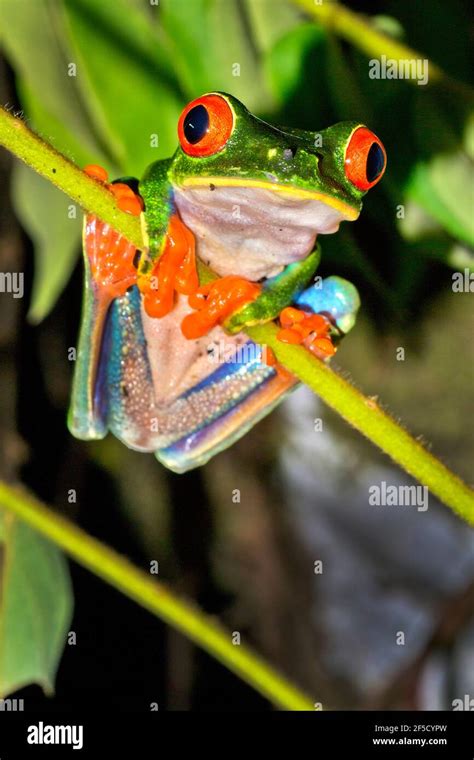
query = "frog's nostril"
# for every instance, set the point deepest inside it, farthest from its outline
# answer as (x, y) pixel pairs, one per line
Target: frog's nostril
(289, 153)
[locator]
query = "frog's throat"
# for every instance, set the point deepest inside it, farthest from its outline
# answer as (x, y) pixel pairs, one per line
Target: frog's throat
(349, 212)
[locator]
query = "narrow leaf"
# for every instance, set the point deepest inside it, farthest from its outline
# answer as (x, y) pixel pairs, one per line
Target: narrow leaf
(48, 217)
(35, 607)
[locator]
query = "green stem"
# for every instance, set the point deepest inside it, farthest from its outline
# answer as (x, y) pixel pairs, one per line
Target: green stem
(361, 412)
(90, 194)
(360, 32)
(154, 596)
(366, 415)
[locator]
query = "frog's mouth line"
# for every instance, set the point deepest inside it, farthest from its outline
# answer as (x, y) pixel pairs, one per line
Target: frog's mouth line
(350, 213)
(255, 228)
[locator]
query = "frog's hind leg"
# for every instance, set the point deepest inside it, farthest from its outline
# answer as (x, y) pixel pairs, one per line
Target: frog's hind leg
(228, 402)
(109, 272)
(125, 395)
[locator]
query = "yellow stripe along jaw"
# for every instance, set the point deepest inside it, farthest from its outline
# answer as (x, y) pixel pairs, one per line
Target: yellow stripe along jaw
(350, 213)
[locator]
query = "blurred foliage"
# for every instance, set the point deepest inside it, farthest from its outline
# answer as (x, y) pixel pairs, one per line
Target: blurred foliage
(35, 607)
(135, 65)
(55, 242)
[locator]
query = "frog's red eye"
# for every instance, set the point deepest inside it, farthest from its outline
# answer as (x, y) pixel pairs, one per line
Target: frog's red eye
(365, 160)
(205, 125)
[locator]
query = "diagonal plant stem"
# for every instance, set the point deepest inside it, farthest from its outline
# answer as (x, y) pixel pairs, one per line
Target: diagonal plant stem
(366, 415)
(43, 158)
(361, 412)
(156, 597)
(360, 31)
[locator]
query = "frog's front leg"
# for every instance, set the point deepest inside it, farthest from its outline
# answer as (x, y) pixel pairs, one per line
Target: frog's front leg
(319, 315)
(316, 317)
(237, 303)
(174, 271)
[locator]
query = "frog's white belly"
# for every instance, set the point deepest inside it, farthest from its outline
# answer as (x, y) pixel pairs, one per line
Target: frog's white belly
(253, 232)
(157, 387)
(178, 364)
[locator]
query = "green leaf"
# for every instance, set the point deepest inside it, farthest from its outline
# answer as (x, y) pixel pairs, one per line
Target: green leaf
(188, 28)
(295, 69)
(35, 607)
(127, 78)
(212, 48)
(34, 41)
(57, 113)
(239, 71)
(270, 20)
(441, 180)
(286, 60)
(45, 211)
(422, 190)
(460, 257)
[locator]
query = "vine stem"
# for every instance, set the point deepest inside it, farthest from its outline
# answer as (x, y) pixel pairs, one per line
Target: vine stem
(366, 415)
(44, 159)
(156, 597)
(363, 413)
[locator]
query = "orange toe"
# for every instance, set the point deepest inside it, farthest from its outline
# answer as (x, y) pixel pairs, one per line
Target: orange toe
(216, 303)
(174, 271)
(322, 347)
(127, 200)
(197, 300)
(121, 190)
(311, 330)
(97, 172)
(289, 316)
(129, 205)
(290, 335)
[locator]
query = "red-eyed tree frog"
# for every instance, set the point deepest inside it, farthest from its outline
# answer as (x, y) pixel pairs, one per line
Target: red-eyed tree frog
(163, 363)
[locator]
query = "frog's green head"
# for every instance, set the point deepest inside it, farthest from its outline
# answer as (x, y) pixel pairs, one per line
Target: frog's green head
(280, 187)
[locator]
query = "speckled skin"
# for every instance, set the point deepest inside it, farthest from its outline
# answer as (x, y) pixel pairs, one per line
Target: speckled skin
(148, 410)
(255, 208)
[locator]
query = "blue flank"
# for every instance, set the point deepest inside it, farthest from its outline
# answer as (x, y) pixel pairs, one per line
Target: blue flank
(229, 368)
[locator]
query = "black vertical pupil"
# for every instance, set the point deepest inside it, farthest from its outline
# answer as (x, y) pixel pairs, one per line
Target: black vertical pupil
(196, 124)
(375, 162)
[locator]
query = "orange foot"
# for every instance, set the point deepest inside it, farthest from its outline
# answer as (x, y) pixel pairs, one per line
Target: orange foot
(127, 200)
(215, 302)
(309, 330)
(174, 271)
(111, 256)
